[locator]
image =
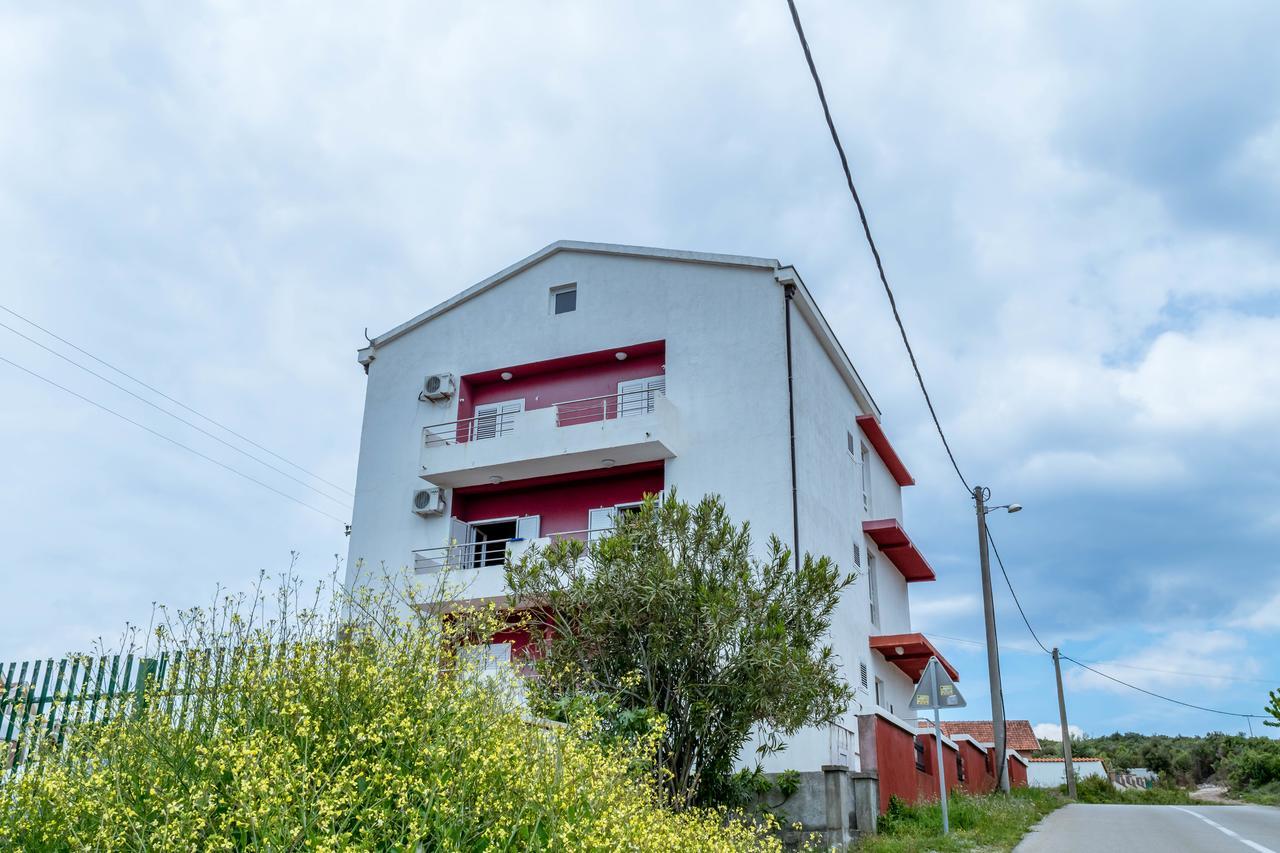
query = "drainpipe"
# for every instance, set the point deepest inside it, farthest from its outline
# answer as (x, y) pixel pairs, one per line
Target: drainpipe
(789, 293)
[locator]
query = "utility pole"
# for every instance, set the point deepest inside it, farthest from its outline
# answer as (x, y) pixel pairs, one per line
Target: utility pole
(993, 652)
(1066, 732)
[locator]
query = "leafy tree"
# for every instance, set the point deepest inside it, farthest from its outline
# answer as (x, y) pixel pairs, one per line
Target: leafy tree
(671, 614)
(1273, 708)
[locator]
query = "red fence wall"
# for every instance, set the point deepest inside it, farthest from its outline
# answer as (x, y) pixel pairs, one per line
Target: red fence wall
(895, 763)
(977, 773)
(1017, 773)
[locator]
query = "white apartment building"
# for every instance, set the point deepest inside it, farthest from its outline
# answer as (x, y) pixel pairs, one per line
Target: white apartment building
(540, 402)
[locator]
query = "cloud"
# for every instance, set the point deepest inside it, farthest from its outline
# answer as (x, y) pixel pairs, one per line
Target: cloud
(1193, 662)
(1260, 615)
(1053, 731)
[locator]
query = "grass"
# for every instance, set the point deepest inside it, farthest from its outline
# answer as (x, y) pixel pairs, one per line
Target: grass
(1263, 795)
(992, 822)
(1095, 789)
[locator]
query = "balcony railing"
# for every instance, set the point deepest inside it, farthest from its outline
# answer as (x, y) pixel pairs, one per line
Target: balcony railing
(490, 552)
(568, 413)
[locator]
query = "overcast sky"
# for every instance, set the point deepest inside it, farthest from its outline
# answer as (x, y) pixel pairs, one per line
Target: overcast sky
(1078, 205)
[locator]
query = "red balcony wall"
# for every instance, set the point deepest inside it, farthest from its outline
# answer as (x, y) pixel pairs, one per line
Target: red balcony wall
(576, 377)
(563, 502)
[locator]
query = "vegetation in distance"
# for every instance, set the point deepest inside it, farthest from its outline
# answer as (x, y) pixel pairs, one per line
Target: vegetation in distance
(1249, 767)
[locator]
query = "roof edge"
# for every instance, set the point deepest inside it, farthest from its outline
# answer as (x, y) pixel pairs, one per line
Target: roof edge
(570, 246)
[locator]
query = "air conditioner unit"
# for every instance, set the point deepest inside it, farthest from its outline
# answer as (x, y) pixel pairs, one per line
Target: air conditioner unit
(428, 502)
(438, 386)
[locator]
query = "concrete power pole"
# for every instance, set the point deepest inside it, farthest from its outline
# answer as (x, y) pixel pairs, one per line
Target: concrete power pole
(1066, 732)
(993, 652)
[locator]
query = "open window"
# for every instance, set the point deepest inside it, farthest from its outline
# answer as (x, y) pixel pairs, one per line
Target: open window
(481, 544)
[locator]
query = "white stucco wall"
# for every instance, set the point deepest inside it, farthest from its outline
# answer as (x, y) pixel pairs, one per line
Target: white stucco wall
(1051, 774)
(726, 375)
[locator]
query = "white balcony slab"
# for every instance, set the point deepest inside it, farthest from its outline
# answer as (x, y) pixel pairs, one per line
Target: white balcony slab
(535, 446)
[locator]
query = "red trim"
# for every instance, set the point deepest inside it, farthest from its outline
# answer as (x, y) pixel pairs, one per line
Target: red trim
(916, 651)
(871, 429)
(895, 544)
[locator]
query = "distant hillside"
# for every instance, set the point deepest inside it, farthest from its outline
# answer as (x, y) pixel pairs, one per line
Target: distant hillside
(1250, 766)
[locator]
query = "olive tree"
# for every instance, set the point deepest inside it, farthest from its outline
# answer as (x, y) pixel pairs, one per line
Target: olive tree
(671, 618)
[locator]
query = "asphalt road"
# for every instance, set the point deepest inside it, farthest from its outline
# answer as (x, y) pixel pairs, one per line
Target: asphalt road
(1128, 829)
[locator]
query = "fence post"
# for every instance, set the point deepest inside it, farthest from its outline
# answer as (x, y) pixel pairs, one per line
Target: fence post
(146, 668)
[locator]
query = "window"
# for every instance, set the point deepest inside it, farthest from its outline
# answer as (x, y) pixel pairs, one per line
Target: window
(880, 692)
(862, 671)
(636, 396)
(857, 554)
(491, 539)
(849, 436)
(920, 762)
(866, 478)
(564, 299)
(488, 658)
(873, 591)
(495, 419)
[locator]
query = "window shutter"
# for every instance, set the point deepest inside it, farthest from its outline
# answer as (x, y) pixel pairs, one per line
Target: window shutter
(862, 670)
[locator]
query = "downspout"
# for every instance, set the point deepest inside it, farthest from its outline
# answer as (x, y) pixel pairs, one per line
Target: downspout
(789, 292)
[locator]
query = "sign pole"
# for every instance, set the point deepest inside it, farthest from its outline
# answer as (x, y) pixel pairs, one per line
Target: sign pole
(942, 774)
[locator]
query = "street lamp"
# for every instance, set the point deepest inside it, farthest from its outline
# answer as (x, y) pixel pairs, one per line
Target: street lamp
(980, 495)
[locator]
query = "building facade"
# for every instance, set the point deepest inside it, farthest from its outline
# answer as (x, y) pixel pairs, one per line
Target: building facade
(543, 401)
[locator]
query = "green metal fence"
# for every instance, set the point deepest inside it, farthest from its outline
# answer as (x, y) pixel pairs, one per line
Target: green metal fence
(47, 698)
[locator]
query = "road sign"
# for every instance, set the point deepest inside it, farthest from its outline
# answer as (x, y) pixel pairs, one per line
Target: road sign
(936, 690)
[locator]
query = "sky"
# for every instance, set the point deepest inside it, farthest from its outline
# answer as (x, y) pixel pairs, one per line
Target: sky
(1078, 206)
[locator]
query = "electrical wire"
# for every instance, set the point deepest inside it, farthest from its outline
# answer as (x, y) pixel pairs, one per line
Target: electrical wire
(178, 418)
(980, 645)
(866, 230)
(179, 403)
(1009, 583)
(172, 441)
(1160, 696)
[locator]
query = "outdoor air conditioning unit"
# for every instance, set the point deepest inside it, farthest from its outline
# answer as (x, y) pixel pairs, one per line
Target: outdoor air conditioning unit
(428, 502)
(439, 386)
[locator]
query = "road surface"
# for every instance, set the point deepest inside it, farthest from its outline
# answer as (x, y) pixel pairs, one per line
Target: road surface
(1100, 829)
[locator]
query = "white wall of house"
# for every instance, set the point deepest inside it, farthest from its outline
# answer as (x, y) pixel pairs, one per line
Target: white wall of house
(726, 370)
(1051, 774)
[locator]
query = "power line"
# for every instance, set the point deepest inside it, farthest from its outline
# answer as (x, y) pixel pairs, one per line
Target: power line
(866, 230)
(1184, 673)
(979, 644)
(172, 441)
(1160, 696)
(155, 390)
(178, 418)
(1009, 583)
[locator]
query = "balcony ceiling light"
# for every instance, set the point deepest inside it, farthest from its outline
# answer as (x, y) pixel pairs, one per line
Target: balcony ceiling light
(620, 356)
(897, 650)
(495, 480)
(506, 375)
(607, 463)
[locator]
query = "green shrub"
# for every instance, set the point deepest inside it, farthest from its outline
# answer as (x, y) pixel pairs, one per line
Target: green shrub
(1096, 789)
(992, 821)
(386, 738)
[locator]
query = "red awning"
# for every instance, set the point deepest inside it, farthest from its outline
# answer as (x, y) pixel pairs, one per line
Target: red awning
(895, 544)
(910, 653)
(871, 429)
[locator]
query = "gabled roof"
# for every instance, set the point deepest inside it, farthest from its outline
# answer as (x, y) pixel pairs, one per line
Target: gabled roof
(572, 246)
(1019, 732)
(785, 275)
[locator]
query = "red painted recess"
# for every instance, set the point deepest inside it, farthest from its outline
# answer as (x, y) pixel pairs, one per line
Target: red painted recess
(895, 544)
(916, 651)
(574, 377)
(871, 429)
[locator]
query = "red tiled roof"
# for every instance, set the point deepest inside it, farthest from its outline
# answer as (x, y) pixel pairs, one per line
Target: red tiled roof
(1020, 735)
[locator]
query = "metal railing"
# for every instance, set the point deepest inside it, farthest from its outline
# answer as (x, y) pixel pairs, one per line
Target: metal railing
(486, 553)
(568, 413)
(476, 428)
(608, 406)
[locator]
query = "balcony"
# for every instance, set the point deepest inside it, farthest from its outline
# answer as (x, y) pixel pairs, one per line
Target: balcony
(575, 435)
(491, 553)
